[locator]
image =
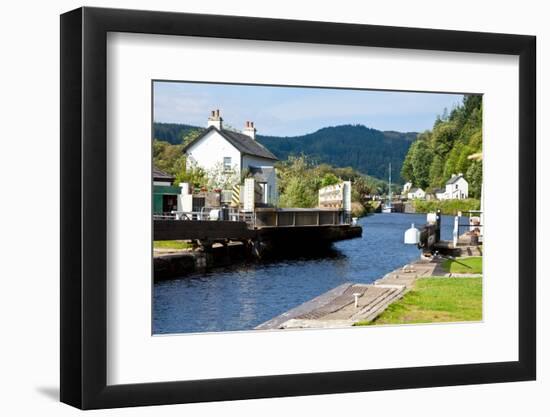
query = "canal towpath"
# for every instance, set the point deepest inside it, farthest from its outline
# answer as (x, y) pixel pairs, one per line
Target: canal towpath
(350, 303)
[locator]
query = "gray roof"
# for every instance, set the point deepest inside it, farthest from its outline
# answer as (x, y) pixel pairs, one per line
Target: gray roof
(439, 190)
(261, 174)
(454, 179)
(242, 142)
(160, 175)
(415, 189)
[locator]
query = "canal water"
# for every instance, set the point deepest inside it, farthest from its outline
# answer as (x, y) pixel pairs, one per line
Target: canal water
(244, 296)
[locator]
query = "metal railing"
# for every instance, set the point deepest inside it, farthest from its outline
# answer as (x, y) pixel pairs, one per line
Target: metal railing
(236, 215)
(209, 214)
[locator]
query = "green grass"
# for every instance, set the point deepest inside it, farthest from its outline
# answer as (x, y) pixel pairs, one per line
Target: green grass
(435, 300)
(471, 265)
(171, 244)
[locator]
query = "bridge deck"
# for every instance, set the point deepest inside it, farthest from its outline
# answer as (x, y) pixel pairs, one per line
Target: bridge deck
(231, 230)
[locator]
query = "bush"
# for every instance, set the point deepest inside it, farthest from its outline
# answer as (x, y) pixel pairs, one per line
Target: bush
(451, 207)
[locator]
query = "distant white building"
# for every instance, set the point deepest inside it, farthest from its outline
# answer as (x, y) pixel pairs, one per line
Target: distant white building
(416, 194)
(455, 189)
(440, 193)
(406, 188)
(236, 152)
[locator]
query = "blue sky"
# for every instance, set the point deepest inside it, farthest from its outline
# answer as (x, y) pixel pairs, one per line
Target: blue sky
(291, 111)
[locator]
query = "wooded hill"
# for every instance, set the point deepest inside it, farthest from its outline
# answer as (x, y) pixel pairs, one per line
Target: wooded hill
(445, 150)
(366, 150)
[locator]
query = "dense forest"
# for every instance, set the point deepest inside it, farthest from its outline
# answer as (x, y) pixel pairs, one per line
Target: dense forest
(173, 133)
(446, 149)
(366, 150)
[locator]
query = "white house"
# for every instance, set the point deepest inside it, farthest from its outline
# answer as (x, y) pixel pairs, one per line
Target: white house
(455, 188)
(440, 193)
(406, 188)
(416, 194)
(235, 152)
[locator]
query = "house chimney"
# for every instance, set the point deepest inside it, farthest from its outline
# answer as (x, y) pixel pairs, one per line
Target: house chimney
(215, 119)
(249, 130)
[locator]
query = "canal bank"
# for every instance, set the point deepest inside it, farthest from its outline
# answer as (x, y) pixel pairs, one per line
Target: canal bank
(243, 296)
(179, 263)
(266, 243)
(353, 304)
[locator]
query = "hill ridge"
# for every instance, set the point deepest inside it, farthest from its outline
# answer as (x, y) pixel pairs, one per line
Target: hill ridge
(349, 145)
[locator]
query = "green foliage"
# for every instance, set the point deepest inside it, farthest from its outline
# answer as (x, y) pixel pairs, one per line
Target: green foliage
(451, 207)
(188, 171)
(365, 150)
(475, 175)
(298, 183)
(190, 136)
(299, 192)
(300, 178)
(174, 133)
(436, 172)
(172, 160)
(438, 154)
(329, 179)
(167, 157)
(421, 161)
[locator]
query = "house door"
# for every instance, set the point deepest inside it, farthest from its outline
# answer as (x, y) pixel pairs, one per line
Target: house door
(169, 203)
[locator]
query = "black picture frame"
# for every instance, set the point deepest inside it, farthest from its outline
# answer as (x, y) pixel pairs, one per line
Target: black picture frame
(84, 206)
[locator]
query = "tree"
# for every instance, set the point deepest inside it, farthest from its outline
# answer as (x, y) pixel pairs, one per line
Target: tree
(360, 189)
(299, 193)
(436, 172)
(452, 139)
(407, 168)
(165, 156)
(329, 179)
(452, 161)
(421, 161)
(474, 176)
(221, 178)
(463, 162)
(188, 137)
(189, 171)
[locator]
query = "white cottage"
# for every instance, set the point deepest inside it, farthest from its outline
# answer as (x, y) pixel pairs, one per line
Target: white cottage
(416, 194)
(407, 187)
(440, 193)
(235, 152)
(456, 188)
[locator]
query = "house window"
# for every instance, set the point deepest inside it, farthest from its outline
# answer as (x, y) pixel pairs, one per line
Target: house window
(227, 163)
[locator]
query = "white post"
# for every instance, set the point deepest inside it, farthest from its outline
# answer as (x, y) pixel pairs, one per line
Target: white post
(248, 204)
(346, 197)
(455, 232)
(356, 296)
(185, 199)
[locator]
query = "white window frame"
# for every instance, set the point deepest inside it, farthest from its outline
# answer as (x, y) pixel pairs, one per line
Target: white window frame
(227, 167)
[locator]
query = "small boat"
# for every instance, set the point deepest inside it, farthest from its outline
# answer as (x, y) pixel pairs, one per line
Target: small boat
(387, 207)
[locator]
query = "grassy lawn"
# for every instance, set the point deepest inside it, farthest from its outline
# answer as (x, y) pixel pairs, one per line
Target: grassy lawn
(435, 300)
(171, 244)
(463, 265)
